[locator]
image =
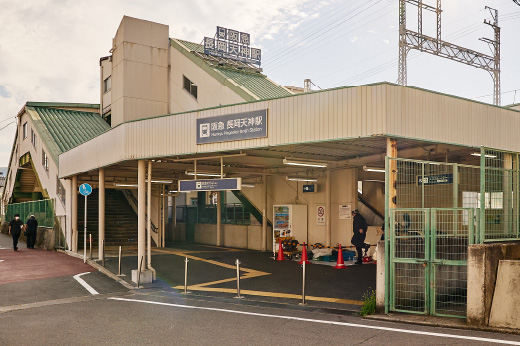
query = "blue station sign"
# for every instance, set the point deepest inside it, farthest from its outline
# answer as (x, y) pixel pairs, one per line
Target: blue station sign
(232, 127)
(85, 189)
(435, 179)
(210, 185)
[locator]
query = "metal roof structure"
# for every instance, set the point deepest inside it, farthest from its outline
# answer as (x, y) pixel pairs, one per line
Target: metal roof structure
(63, 129)
(245, 75)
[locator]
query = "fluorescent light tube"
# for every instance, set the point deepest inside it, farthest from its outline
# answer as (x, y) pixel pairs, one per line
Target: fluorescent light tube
(486, 155)
(205, 174)
(292, 162)
(314, 180)
(373, 169)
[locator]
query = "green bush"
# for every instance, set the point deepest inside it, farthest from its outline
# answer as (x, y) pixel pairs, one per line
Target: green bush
(369, 303)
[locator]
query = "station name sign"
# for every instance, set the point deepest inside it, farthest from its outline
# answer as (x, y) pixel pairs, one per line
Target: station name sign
(210, 185)
(435, 179)
(232, 127)
(232, 44)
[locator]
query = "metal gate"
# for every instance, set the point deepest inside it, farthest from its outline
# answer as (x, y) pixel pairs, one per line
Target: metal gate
(428, 260)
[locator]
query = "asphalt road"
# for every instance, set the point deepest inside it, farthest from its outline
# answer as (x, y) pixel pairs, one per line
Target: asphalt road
(157, 317)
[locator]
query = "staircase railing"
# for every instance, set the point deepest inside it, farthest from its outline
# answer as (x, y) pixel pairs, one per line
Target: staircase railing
(131, 196)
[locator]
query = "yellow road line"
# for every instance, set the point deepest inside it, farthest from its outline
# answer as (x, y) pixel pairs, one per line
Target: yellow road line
(272, 294)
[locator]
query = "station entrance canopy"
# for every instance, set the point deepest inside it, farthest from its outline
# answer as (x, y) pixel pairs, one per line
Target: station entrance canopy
(345, 127)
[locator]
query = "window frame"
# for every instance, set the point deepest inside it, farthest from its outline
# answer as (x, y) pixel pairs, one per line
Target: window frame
(193, 88)
(45, 161)
(24, 130)
(107, 84)
(33, 138)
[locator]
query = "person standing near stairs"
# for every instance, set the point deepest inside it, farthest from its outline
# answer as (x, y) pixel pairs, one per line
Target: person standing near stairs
(31, 227)
(15, 229)
(360, 228)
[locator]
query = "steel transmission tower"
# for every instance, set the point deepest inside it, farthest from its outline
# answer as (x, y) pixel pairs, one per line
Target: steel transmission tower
(409, 39)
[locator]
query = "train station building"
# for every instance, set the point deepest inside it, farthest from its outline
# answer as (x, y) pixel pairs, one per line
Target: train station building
(265, 161)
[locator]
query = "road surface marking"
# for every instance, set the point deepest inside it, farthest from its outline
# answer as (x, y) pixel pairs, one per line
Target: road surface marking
(346, 324)
(270, 294)
(84, 284)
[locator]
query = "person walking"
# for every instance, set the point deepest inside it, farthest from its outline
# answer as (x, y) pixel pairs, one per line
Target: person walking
(15, 229)
(30, 230)
(360, 228)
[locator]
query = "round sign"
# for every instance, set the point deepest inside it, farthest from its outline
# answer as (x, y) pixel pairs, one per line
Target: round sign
(85, 189)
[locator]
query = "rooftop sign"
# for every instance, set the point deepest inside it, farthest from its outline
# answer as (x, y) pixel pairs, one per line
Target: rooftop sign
(232, 44)
(232, 127)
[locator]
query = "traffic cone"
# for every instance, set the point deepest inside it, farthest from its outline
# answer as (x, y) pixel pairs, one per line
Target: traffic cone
(340, 264)
(280, 252)
(304, 255)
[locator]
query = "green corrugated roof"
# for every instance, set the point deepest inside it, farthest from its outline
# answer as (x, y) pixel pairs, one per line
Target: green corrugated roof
(256, 83)
(62, 129)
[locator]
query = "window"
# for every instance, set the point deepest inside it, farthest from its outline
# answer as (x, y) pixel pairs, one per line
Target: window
(189, 86)
(24, 129)
(45, 161)
(33, 138)
(60, 190)
(471, 199)
(107, 84)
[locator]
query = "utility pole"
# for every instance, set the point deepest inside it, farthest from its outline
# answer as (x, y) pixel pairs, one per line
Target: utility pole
(409, 39)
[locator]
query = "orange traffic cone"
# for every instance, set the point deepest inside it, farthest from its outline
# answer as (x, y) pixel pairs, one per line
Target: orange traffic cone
(304, 255)
(280, 252)
(340, 264)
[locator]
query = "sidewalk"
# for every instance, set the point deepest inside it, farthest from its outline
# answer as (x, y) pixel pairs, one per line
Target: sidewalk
(212, 272)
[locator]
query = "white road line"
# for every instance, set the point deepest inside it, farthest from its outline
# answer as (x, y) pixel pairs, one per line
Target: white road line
(397, 330)
(84, 284)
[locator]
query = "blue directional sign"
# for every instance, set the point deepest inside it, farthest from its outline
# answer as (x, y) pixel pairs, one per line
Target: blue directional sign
(85, 189)
(210, 184)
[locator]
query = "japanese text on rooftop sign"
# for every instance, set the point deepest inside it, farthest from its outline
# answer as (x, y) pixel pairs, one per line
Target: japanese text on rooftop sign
(232, 44)
(232, 127)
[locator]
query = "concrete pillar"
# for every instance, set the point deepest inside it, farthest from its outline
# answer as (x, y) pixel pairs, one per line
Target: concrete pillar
(101, 212)
(219, 218)
(164, 204)
(74, 198)
(264, 214)
(173, 225)
(149, 215)
(141, 213)
(328, 221)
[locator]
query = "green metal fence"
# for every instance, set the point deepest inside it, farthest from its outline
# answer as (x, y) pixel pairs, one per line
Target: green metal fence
(43, 210)
(232, 214)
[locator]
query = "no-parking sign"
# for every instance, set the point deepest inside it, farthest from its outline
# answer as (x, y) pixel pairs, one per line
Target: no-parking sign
(320, 215)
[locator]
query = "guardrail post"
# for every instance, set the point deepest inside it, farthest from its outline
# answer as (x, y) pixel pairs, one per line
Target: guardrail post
(186, 276)
(120, 258)
(303, 285)
(237, 262)
(90, 240)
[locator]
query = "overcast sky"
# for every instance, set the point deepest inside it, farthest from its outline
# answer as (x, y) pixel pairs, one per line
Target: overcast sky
(50, 49)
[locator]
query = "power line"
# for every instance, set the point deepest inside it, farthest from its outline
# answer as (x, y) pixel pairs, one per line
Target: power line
(9, 118)
(12, 122)
(505, 92)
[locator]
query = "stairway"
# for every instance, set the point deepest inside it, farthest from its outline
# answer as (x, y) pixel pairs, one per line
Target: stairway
(120, 219)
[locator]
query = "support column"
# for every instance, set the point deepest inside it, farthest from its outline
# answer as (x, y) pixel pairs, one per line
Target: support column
(141, 213)
(74, 192)
(264, 214)
(390, 203)
(164, 204)
(328, 223)
(507, 188)
(149, 219)
(101, 212)
(391, 151)
(173, 226)
(146, 275)
(219, 218)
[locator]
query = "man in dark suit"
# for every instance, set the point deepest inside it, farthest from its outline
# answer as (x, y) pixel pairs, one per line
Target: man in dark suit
(15, 229)
(360, 228)
(30, 227)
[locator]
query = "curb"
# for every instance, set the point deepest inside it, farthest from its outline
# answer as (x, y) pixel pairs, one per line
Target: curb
(100, 268)
(444, 322)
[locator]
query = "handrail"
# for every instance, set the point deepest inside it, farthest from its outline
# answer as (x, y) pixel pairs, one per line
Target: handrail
(134, 200)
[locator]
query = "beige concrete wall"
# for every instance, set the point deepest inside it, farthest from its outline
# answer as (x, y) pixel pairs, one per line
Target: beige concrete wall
(483, 261)
(210, 91)
(343, 191)
(106, 97)
(505, 311)
(140, 70)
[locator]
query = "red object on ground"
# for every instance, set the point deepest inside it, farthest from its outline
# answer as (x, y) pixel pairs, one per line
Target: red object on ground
(304, 255)
(280, 252)
(367, 259)
(340, 264)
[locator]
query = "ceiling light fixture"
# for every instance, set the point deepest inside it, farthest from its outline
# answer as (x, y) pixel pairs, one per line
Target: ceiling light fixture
(248, 185)
(485, 155)
(126, 185)
(293, 162)
(205, 174)
(373, 169)
(309, 179)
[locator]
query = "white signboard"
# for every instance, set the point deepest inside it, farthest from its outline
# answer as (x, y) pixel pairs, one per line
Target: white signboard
(345, 212)
(320, 215)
